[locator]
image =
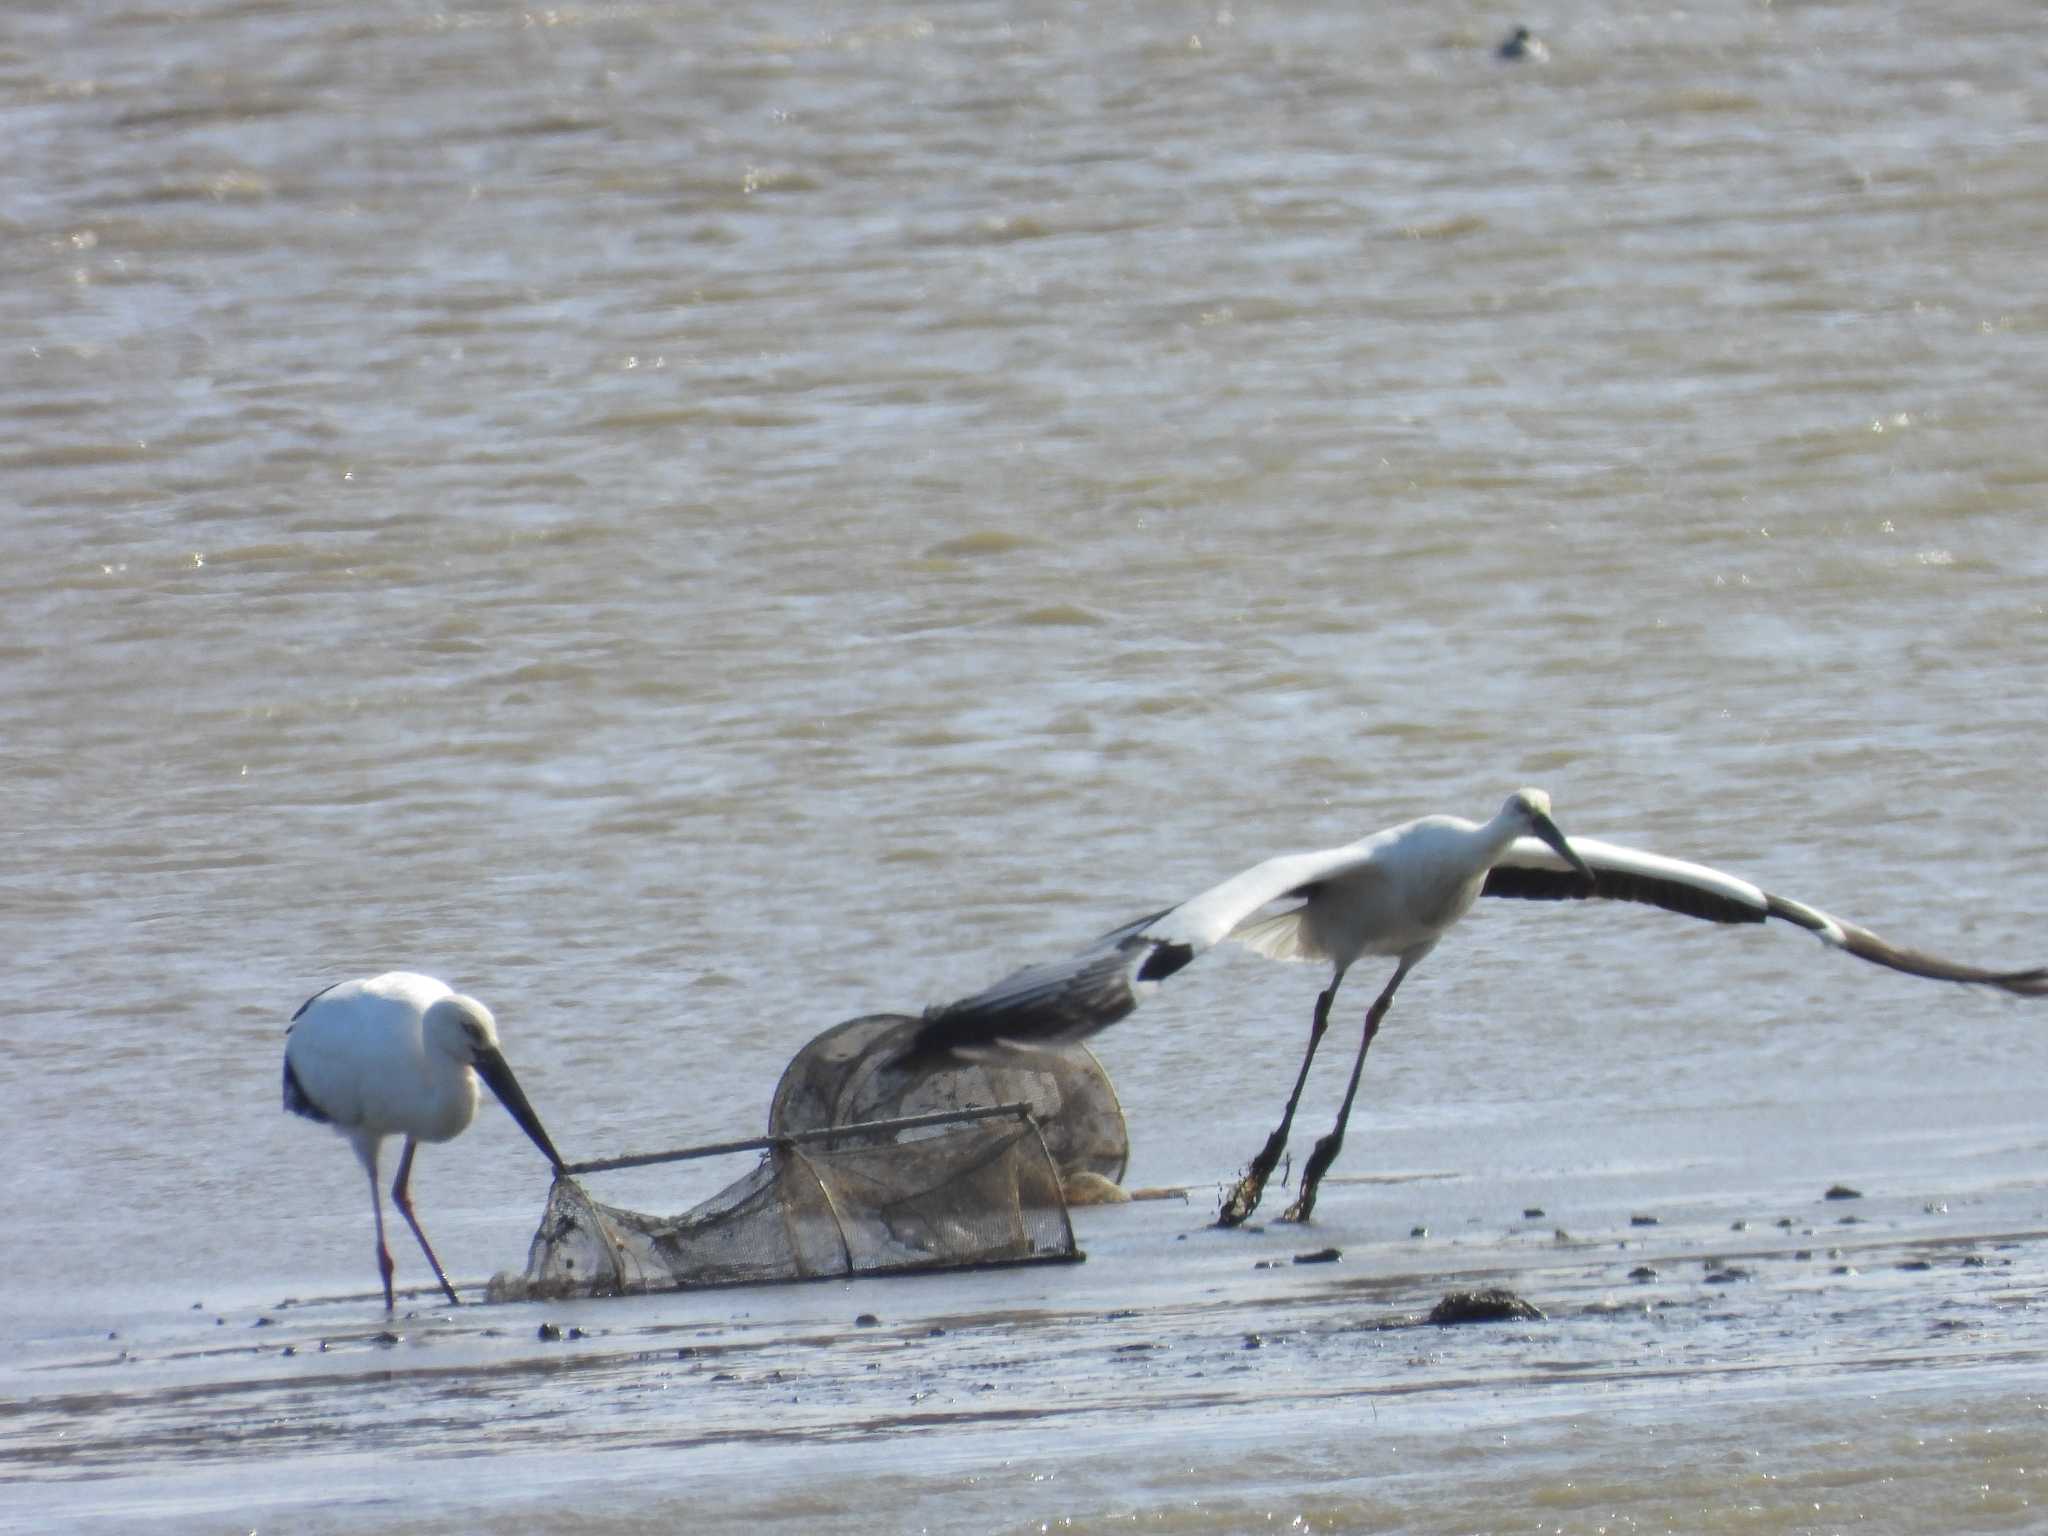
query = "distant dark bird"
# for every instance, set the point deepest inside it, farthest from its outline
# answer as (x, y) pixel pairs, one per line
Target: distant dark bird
(1523, 44)
(1395, 894)
(399, 1055)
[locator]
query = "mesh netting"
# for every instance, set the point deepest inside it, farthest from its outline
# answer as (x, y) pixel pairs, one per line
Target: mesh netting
(916, 1198)
(870, 1167)
(854, 1071)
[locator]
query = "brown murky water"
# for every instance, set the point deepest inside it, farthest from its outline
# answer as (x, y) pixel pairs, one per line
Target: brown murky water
(695, 524)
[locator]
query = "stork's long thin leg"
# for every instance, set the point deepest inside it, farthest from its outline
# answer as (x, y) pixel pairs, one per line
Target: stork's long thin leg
(404, 1203)
(1326, 1150)
(384, 1265)
(1244, 1195)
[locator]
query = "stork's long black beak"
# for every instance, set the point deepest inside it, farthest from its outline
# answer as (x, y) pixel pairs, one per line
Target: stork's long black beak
(492, 1067)
(1547, 830)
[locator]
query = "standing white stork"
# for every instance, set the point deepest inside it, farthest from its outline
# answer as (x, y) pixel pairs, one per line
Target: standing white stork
(1395, 894)
(399, 1055)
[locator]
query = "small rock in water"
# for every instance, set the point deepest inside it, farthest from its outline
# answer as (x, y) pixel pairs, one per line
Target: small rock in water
(1320, 1256)
(1494, 1305)
(867, 1320)
(1642, 1274)
(1738, 1225)
(1532, 1213)
(1418, 1231)
(1842, 1192)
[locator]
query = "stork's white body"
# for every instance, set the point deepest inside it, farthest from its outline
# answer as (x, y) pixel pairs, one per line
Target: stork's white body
(1394, 893)
(359, 1054)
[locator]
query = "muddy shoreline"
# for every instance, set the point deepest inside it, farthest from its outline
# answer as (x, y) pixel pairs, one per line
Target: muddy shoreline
(1170, 1335)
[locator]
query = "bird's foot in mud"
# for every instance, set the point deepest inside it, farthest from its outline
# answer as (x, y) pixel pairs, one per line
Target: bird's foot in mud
(1244, 1195)
(1303, 1207)
(1243, 1198)
(1318, 1164)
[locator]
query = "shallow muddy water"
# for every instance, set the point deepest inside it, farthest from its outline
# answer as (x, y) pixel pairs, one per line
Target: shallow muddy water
(1872, 1364)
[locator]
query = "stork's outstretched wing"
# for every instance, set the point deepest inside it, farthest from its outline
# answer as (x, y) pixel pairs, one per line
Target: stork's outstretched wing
(1533, 872)
(1057, 1001)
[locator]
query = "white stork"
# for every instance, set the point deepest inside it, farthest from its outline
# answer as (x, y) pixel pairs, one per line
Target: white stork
(1392, 894)
(399, 1055)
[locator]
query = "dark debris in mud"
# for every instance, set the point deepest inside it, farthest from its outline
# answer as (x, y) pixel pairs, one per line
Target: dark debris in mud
(1495, 1304)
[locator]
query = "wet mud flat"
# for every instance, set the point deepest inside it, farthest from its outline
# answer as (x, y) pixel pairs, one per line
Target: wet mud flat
(1183, 1377)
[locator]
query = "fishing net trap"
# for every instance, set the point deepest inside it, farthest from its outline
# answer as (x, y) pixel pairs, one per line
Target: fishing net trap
(870, 1166)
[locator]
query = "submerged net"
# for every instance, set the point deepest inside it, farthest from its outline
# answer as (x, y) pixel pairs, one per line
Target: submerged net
(870, 1168)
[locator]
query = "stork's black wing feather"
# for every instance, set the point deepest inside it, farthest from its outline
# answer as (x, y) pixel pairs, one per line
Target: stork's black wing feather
(297, 1101)
(1618, 885)
(1865, 945)
(1055, 1001)
(1534, 872)
(309, 1002)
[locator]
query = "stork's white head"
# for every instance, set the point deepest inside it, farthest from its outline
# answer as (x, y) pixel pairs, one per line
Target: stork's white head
(1529, 810)
(460, 1027)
